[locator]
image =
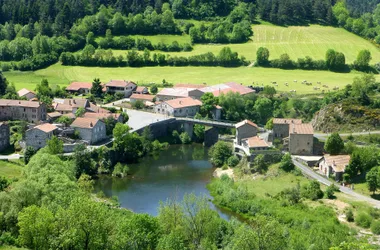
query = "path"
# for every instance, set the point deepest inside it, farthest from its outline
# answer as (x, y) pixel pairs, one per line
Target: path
(324, 136)
(11, 157)
(358, 197)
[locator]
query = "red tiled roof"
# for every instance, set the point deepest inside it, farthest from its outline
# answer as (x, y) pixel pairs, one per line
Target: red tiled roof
(225, 88)
(190, 86)
(96, 109)
(119, 83)
(286, 121)
(338, 162)
(141, 89)
(142, 97)
(183, 102)
(24, 91)
(54, 114)
(81, 122)
(47, 127)
(237, 125)
(301, 129)
(177, 92)
(27, 104)
(75, 86)
(256, 142)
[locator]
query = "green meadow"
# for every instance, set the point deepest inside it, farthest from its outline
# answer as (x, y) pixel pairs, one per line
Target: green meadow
(10, 170)
(63, 75)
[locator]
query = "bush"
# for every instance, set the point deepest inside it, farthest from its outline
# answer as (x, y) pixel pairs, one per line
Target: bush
(287, 163)
(312, 191)
(329, 193)
(120, 170)
(185, 138)
(233, 161)
(363, 220)
(375, 227)
(349, 215)
(219, 153)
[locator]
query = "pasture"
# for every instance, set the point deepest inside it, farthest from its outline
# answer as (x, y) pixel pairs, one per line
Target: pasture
(297, 41)
(63, 75)
(10, 169)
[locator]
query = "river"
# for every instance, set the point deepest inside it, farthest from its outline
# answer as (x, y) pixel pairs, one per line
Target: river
(170, 174)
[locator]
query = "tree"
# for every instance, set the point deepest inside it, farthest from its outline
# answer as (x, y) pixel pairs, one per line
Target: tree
(54, 145)
(269, 91)
(219, 153)
(199, 132)
(3, 84)
(233, 161)
(262, 56)
(29, 152)
(269, 124)
(373, 179)
(259, 164)
(312, 190)
(209, 101)
(334, 144)
(84, 164)
(185, 138)
(97, 88)
(363, 59)
(4, 183)
(153, 89)
(80, 112)
(286, 163)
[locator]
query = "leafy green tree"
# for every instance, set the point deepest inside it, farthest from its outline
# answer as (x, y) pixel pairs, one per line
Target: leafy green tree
(185, 138)
(199, 132)
(84, 163)
(153, 89)
(363, 59)
(219, 153)
(4, 183)
(54, 145)
(372, 178)
(269, 124)
(312, 190)
(36, 227)
(64, 120)
(269, 91)
(209, 101)
(80, 112)
(334, 144)
(97, 89)
(86, 184)
(3, 84)
(29, 152)
(286, 163)
(233, 161)
(259, 164)
(262, 56)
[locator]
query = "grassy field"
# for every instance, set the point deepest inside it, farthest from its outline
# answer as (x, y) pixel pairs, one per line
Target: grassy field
(63, 75)
(297, 41)
(10, 170)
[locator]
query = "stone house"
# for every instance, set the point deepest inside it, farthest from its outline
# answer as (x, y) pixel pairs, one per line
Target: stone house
(4, 136)
(28, 94)
(102, 116)
(142, 97)
(121, 86)
(141, 90)
(91, 130)
(281, 127)
(180, 107)
(29, 111)
(79, 87)
(255, 143)
(334, 165)
(37, 136)
(301, 139)
(245, 129)
(70, 106)
(167, 94)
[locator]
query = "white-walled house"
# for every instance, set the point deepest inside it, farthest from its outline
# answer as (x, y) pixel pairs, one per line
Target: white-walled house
(180, 107)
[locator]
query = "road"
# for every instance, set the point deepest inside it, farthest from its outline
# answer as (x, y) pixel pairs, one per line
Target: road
(11, 157)
(140, 119)
(323, 136)
(358, 197)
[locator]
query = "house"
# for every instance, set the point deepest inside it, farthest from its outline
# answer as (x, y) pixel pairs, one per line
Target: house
(91, 130)
(141, 97)
(79, 87)
(223, 88)
(37, 136)
(301, 139)
(181, 107)
(121, 86)
(28, 94)
(66, 106)
(4, 136)
(52, 116)
(102, 116)
(217, 112)
(331, 165)
(281, 127)
(255, 143)
(245, 129)
(141, 90)
(22, 110)
(173, 93)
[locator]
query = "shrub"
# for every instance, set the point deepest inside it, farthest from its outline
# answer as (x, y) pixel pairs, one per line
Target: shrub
(363, 220)
(312, 191)
(219, 153)
(329, 193)
(120, 170)
(375, 227)
(349, 215)
(233, 161)
(185, 138)
(287, 163)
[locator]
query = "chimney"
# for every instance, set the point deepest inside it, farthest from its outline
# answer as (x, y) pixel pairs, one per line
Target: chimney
(180, 102)
(74, 101)
(91, 125)
(70, 102)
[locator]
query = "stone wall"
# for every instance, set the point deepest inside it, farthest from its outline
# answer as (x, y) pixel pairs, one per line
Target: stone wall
(301, 144)
(4, 136)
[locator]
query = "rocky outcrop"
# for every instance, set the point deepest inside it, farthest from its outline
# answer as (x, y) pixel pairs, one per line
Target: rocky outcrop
(346, 117)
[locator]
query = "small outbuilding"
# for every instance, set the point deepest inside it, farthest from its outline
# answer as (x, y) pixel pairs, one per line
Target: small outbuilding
(245, 129)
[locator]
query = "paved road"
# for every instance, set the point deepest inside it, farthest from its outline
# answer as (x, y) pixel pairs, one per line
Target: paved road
(11, 157)
(358, 197)
(323, 136)
(139, 119)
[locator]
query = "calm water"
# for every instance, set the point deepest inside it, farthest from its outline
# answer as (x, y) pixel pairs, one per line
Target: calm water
(172, 173)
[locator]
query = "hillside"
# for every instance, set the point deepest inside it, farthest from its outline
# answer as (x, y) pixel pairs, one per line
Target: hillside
(346, 116)
(296, 41)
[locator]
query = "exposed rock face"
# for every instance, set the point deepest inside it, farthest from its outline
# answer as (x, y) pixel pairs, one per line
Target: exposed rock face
(346, 117)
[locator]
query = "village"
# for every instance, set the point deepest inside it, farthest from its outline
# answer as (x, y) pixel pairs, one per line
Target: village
(77, 121)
